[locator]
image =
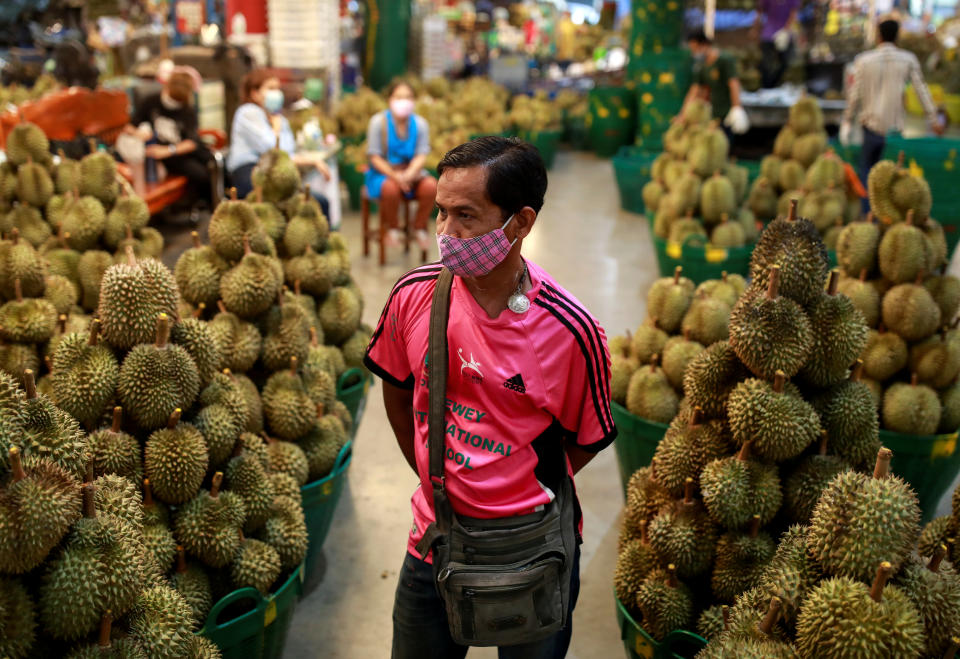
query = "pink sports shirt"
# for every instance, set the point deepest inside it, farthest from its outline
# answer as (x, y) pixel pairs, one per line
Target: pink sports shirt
(518, 385)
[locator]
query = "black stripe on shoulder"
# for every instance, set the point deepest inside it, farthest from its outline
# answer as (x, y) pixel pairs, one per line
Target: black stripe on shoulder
(600, 444)
(606, 425)
(585, 321)
(377, 370)
(422, 274)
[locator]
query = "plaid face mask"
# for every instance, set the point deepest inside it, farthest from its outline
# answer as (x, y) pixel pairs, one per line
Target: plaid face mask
(477, 256)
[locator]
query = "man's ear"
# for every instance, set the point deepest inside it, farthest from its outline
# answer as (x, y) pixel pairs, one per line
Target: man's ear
(525, 218)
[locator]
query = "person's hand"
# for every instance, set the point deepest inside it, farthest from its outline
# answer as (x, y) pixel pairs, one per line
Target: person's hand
(939, 126)
(737, 120)
(157, 151)
(323, 168)
(845, 130)
(401, 181)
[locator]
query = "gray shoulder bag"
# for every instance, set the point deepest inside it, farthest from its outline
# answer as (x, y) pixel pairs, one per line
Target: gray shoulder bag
(503, 581)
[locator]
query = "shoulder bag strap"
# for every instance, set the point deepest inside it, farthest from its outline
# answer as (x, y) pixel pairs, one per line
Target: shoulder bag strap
(437, 367)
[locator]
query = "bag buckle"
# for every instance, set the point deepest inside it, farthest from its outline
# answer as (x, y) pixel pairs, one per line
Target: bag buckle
(439, 482)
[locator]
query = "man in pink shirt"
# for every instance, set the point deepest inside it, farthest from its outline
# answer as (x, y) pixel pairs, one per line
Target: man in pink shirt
(528, 390)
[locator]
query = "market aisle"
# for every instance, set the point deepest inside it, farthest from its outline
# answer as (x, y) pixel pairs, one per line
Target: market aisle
(603, 257)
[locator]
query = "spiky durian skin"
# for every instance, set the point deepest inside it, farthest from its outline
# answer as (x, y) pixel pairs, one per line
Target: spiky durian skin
(945, 291)
(249, 288)
(290, 459)
(726, 647)
(802, 488)
(663, 608)
(782, 425)
(176, 461)
(936, 361)
(711, 376)
(935, 533)
(860, 522)
(254, 403)
(228, 224)
(124, 648)
(220, 428)
(84, 377)
(741, 560)
(116, 496)
(796, 247)
(160, 544)
(99, 563)
(884, 354)
(17, 619)
(770, 334)
(685, 450)
(707, 321)
(647, 341)
(198, 272)
(30, 321)
(155, 381)
(35, 513)
(910, 311)
(238, 342)
(209, 527)
(839, 336)
(687, 535)
(339, 314)
(668, 302)
(710, 623)
(246, 476)
(286, 335)
(676, 355)
(839, 619)
(911, 409)
(194, 336)
(645, 496)
(288, 409)
(936, 595)
(257, 565)
(904, 253)
(194, 586)
(848, 414)
(286, 531)
(52, 433)
(322, 445)
(634, 562)
(791, 572)
(204, 648)
(650, 396)
(131, 299)
(735, 490)
(162, 623)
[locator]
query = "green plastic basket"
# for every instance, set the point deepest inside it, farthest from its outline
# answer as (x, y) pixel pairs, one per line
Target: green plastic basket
(665, 76)
(611, 121)
(631, 167)
(278, 614)
(353, 178)
(928, 462)
(638, 644)
(663, 20)
(546, 142)
(352, 388)
(320, 500)
(576, 133)
(636, 441)
(699, 260)
(241, 637)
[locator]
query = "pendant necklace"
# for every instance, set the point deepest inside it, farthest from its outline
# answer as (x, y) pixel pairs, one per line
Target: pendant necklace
(518, 302)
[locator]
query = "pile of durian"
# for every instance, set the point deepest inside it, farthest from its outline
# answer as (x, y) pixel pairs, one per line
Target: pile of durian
(16, 94)
(695, 189)
(893, 264)
(647, 367)
(534, 114)
(354, 111)
(772, 418)
(801, 167)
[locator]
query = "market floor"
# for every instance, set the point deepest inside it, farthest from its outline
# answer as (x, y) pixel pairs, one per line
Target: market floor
(604, 257)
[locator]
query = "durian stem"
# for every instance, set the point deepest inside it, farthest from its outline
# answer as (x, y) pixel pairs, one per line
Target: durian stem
(696, 418)
(644, 537)
(181, 560)
(49, 362)
(857, 373)
(147, 493)
(62, 323)
(227, 372)
(18, 289)
(198, 312)
(833, 281)
(14, 235)
(89, 503)
(914, 378)
(233, 193)
(823, 443)
(653, 363)
(321, 410)
(909, 219)
(92, 142)
(94, 337)
(163, 330)
(725, 614)
(88, 472)
(29, 384)
(676, 274)
(131, 257)
(174, 418)
(951, 651)
(772, 616)
(883, 575)
(900, 157)
(106, 623)
(293, 364)
(723, 276)
(313, 337)
(246, 245)
(16, 465)
(688, 491)
(672, 576)
(882, 467)
(259, 192)
(215, 485)
(221, 306)
(938, 555)
(240, 534)
(754, 526)
(863, 274)
(724, 218)
(306, 192)
(773, 287)
(792, 215)
(280, 294)
(195, 236)
(779, 379)
(744, 453)
(129, 231)
(296, 287)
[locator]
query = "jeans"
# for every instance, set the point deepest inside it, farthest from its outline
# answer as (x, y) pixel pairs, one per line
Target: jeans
(241, 179)
(420, 621)
(870, 155)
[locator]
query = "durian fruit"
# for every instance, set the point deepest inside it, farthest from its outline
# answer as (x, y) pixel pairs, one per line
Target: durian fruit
(314, 272)
(950, 409)
(650, 395)
(825, 170)
(113, 451)
(848, 414)
(286, 334)
(802, 488)
(83, 222)
(339, 314)
(842, 617)
(192, 582)
(307, 228)
(807, 148)
(791, 572)
(158, 541)
(728, 233)
(934, 589)
(683, 228)
(231, 222)
(713, 621)
(652, 193)
(34, 185)
(19, 260)
(904, 253)
(741, 559)
(684, 532)
(839, 337)
(161, 622)
(707, 320)
(664, 603)
(736, 488)
(85, 375)
(287, 407)
(30, 320)
(937, 532)
(288, 458)
(38, 504)
(936, 361)
(285, 486)
(752, 632)
(98, 563)
(62, 293)
(910, 311)
(775, 418)
(911, 408)
(98, 174)
(29, 222)
(246, 476)
(91, 267)
(711, 376)
(860, 518)
(727, 289)
(25, 142)
(322, 445)
(277, 175)
(129, 214)
(946, 293)
(250, 287)
(791, 175)
(156, 378)
(806, 116)
(271, 219)
(761, 321)
(645, 497)
(19, 619)
(688, 445)
(668, 300)
(677, 353)
(132, 296)
(237, 340)
(709, 153)
(863, 295)
(256, 565)
(108, 647)
(220, 427)
(286, 531)
(195, 337)
(762, 200)
(717, 198)
(208, 526)
(648, 340)
(198, 272)
(49, 432)
(884, 355)
(176, 460)
(635, 560)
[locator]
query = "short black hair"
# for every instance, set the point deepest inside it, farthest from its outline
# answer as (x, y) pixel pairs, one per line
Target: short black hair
(396, 83)
(700, 37)
(888, 30)
(516, 175)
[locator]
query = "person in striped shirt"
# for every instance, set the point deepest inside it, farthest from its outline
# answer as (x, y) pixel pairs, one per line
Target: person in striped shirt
(528, 388)
(876, 93)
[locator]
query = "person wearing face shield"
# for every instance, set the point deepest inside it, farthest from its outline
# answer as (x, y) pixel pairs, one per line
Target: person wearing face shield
(167, 122)
(258, 126)
(527, 398)
(398, 143)
(715, 80)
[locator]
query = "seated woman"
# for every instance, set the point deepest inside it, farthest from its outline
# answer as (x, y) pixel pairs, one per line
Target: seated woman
(167, 122)
(257, 125)
(398, 143)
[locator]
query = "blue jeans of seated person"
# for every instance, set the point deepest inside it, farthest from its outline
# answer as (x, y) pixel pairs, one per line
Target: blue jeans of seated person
(420, 628)
(240, 178)
(870, 154)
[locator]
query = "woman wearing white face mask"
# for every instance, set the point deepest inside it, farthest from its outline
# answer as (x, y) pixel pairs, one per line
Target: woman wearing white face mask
(258, 124)
(398, 143)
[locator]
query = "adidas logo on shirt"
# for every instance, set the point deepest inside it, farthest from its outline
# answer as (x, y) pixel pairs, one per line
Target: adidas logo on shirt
(516, 384)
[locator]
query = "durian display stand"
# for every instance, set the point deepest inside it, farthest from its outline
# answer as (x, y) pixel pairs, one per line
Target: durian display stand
(632, 167)
(575, 132)
(636, 441)
(320, 499)
(928, 462)
(700, 261)
(352, 389)
(611, 120)
(546, 142)
(637, 643)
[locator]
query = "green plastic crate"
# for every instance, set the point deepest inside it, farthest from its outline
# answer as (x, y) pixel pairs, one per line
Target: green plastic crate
(278, 614)
(241, 637)
(320, 500)
(699, 260)
(636, 441)
(352, 389)
(631, 167)
(353, 178)
(638, 644)
(576, 133)
(928, 462)
(546, 142)
(612, 119)
(665, 75)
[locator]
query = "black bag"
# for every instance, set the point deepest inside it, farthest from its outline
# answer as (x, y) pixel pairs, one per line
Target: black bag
(503, 581)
